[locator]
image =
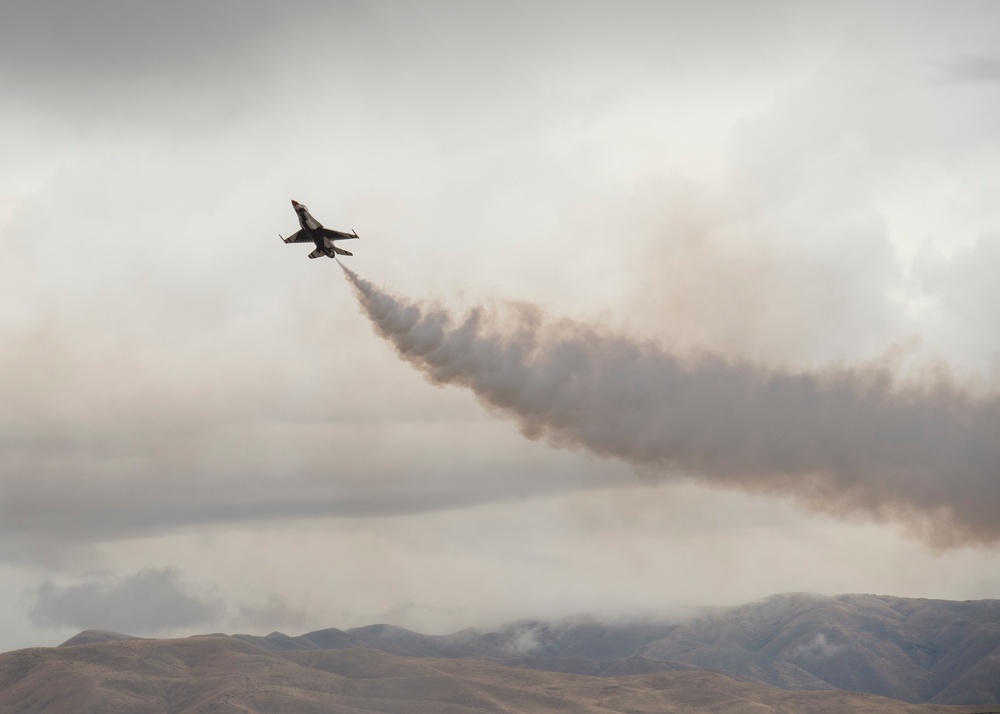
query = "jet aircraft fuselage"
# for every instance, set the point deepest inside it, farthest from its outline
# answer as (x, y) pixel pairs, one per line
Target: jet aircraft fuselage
(312, 231)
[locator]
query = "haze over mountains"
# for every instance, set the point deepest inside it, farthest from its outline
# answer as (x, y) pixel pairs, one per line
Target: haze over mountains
(911, 650)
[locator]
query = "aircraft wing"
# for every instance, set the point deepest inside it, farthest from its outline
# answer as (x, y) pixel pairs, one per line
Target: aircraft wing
(337, 235)
(298, 237)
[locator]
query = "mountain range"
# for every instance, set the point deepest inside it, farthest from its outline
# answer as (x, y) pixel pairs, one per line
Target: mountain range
(914, 650)
(822, 653)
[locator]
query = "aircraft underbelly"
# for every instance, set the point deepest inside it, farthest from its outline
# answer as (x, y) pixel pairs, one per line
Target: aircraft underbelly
(314, 232)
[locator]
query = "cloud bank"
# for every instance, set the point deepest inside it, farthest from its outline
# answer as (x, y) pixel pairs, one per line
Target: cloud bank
(843, 440)
(149, 601)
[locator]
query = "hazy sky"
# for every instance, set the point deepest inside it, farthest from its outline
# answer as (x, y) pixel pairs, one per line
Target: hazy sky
(200, 430)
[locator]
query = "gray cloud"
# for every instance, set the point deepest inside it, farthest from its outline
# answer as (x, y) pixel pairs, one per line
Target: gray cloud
(274, 612)
(148, 601)
(963, 287)
(109, 40)
(842, 440)
(974, 68)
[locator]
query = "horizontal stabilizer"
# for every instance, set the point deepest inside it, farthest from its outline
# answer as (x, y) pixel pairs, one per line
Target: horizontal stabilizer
(341, 251)
(317, 253)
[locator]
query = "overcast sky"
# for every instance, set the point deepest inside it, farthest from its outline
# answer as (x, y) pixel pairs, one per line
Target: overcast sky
(201, 430)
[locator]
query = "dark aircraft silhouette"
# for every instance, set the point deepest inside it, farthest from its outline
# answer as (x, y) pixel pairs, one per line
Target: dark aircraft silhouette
(312, 231)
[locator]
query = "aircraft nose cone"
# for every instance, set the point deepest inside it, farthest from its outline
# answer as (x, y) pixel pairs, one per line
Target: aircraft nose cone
(295, 203)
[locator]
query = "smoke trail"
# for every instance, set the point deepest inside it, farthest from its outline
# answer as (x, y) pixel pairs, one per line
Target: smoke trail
(843, 440)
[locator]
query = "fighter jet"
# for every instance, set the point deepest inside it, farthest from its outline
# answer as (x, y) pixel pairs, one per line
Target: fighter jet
(312, 231)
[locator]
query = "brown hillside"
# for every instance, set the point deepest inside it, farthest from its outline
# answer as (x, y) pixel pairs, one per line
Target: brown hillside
(223, 674)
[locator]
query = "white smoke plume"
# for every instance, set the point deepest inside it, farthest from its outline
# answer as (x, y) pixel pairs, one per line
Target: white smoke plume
(843, 440)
